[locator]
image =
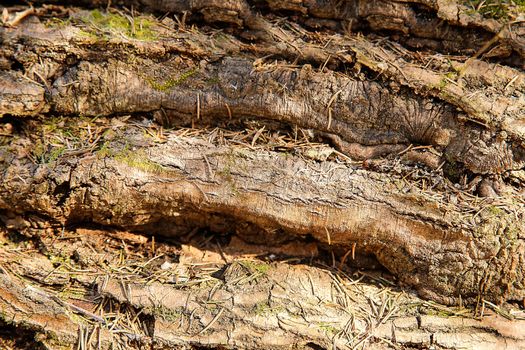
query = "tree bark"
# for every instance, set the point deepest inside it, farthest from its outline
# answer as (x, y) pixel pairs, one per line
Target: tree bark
(413, 229)
(113, 295)
(230, 118)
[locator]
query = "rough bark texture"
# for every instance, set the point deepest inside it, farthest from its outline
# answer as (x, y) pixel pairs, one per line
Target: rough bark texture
(440, 248)
(300, 130)
(102, 290)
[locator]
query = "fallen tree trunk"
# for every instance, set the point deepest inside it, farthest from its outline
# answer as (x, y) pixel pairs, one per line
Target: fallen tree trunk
(469, 249)
(444, 26)
(107, 301)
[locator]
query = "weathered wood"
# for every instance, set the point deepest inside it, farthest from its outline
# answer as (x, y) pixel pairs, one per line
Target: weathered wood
(228, 79)
(326, 130)
(157, 303)
(468, 247)
(442, 210)
(444, 26)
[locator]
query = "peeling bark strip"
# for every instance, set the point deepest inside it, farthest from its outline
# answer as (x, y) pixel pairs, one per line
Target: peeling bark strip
(441, 249)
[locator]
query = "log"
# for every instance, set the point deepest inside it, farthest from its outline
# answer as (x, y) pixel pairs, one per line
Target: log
(110, 300)
(446, 247)
(366, 118)
(444, 26)
(227, 118)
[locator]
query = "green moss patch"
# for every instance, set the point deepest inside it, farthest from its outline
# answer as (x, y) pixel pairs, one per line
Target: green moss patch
(498, 9)
(140, 28)
(171, 82)
(138, 160)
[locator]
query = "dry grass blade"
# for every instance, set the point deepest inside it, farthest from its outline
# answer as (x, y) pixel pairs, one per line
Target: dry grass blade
(329, 108)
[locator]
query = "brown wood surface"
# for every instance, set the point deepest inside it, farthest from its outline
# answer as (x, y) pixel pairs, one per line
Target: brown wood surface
(386, 133)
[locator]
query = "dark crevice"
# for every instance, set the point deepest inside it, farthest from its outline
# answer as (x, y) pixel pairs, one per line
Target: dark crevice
(513, 60)
(17, 65)
(423, 12)
(62, 192)
(18, 337)
(15, 124)
(27, 222)
(314, 346)
(215, 231)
